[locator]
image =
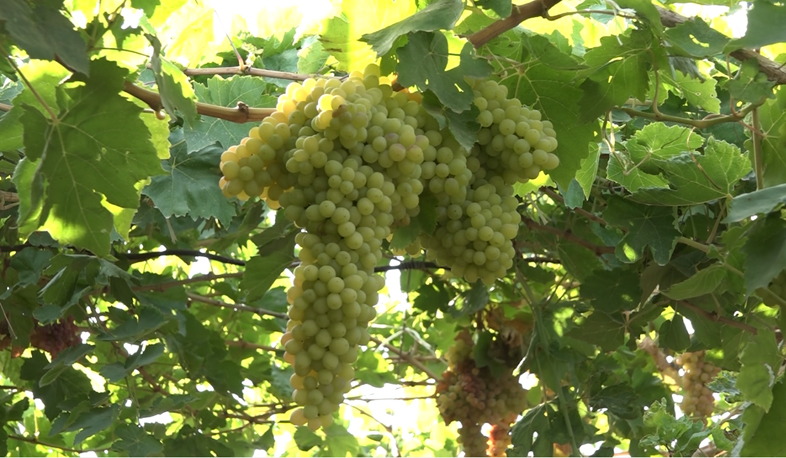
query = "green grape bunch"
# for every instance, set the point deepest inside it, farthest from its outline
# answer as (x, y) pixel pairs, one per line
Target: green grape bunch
(347, 161)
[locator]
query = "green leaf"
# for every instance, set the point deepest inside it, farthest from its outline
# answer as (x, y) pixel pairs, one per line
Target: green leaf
(647, 226)
(431, 297)
(503, 8)
(658, 141)
(705, 281)
(772, 117)
(44, 33)
(463, 126)
(423, 62)
(698, 178)
(441, 14)
(312, 56)
(341, 34)
(619, 71)
(695, 38)
(632, 178)
(190, 186)
(768, 18)
(340, 442)
(755, 381)
(766, 437)
(306, 439)
(136, 442)
(585, 178)
(620, 399)
(173, 86)
(262, 271)
(530, 429)
(612, 290)
(602, 330)
(697, 92)
(226, 93)
(674, 335)
(756, 202)
(750, 85)
(29, 263)
(555, 93)
(85, 157)
(765, 252)
(762, 348)
(475, 299)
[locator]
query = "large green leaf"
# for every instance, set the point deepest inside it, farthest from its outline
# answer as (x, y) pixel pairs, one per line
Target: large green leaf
(173, 86)
(765, 437)
(696, 39)
(190, 186)
(423, 62)
(765, 252)
(705, 281)
(84, 157)
(44, 33)
(772, 117)
(645, 226)
(752, 203)
(698, 178)
(262, 271)
(768, 19)
(441, 14)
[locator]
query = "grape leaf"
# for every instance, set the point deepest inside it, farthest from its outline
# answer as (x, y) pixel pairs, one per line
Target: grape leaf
(602, 330)
(342, 33)
(339, 441)
(750, 85)
(772, 117)
(769, 18)
(704, 282)
(653, 226)
(698, 178)
(312, 56)
(765, 437)
(423, 62)
(765, 252)
(84, 157)
(305, 439)
(135, 441)
(752, 203)
(441, 14)
(612, 290)
(173, 86)
(44, 33)
(754, 382)
(674, 335)
(658, 141)
(580, 187)
(695, 38)
(190, 186)
(619, 71)
(463, 126)
(226, 93)
(697, 92)
(555, 93)
(633, 178)
(262, 271)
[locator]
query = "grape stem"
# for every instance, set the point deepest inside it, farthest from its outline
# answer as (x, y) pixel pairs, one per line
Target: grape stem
(239, 307)
(406, 357)
(520, 13)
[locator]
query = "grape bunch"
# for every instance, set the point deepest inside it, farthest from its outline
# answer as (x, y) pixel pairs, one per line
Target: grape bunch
(55, 337)
(777, 287)
(697, 399)
(347, 161)
(474, 396)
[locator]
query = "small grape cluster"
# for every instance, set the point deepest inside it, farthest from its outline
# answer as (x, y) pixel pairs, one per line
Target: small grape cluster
(697, 398)
(474, 396)
(55, 337)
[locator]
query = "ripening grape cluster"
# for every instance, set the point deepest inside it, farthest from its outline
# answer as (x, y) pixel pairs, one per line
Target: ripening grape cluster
(474, 396)
(697, 400)
(348, 161)
(55, 337)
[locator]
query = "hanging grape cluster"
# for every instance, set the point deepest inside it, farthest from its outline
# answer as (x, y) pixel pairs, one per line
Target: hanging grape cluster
(55, 337)
(474, 396)
(348, 161)
(697, 399)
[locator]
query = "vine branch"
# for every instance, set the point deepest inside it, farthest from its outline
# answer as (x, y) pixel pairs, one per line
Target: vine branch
(520, 13)
(406, 357)
(239, 307)
(712, 316)
(138, 257)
